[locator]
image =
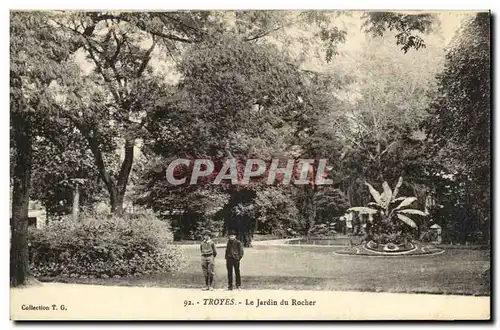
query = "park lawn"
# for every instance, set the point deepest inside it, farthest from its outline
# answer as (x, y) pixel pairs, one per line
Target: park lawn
(456, 271)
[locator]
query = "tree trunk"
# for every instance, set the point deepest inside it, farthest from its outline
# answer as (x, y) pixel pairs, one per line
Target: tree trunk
(116, 200)
(123, 177)
(76, 202)
(116, 189)
(19, 259)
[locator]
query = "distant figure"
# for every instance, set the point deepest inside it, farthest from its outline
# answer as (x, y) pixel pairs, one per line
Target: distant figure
(208, 254)
(343, 224)
(356, 224)
(234, 253)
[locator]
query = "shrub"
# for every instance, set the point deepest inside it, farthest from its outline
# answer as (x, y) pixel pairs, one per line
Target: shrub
(276, 212)
(106, 247)
(290, 232)
(323, 230)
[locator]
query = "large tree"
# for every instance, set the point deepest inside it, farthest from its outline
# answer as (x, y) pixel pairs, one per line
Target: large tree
(376, 133)
(459, 129)
(236, 99)
(111, 103)
(38, 57)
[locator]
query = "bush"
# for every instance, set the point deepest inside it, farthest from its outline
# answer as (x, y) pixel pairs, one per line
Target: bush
(109, 247)
(323, 230)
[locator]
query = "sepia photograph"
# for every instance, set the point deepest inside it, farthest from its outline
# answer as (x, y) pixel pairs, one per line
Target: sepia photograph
(250, 165)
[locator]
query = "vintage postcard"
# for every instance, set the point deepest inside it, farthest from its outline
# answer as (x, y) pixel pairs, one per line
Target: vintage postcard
(250, 165)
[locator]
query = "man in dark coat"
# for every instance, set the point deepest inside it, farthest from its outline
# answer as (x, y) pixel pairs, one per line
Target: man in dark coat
(234, 253)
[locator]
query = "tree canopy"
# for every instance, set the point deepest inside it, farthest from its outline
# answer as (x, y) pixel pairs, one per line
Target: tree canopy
(460, 126)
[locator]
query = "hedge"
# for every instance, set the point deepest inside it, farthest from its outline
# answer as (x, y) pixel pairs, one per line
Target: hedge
(103, 247)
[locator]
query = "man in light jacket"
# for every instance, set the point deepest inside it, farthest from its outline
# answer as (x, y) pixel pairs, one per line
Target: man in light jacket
(208, 254)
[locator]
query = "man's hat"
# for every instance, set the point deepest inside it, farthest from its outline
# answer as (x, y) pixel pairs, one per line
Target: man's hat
(206, 232)
(232, 232)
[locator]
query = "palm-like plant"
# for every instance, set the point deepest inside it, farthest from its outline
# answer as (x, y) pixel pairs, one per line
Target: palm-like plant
(390, 207)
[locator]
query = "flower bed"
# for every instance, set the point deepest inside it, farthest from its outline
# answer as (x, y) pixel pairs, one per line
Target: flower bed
(418, 249)
(389, 247)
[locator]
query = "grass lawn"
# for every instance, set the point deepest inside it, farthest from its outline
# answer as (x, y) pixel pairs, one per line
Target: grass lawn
(456, 271)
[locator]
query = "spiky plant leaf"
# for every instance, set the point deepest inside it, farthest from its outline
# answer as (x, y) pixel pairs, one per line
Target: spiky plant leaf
(407, 201)
(385, 200)
(412, 211)
(375, 205)
(396, 189)
(407, 220)
(387, 191)
(363, 210)
(375, 194)
(398, 199)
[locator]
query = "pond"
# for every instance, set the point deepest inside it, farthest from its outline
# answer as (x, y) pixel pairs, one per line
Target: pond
(334, 241)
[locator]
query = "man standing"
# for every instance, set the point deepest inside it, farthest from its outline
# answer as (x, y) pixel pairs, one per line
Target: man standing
(208, 254)
(234, 253)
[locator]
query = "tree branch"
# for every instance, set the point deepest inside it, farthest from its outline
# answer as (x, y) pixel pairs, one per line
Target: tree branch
(94, 147)
(198, 31)
(144, 28)
(264, 33)
(90, 49)
(171, 37)
(387, 149)
(146, 59)
(112, 62)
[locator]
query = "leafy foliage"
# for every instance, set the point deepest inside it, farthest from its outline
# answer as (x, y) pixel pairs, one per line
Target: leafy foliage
(235, 100)
(276, 212)
(234, 95)
(37, 58)
(459, 132)
(405, 24)
(324, 230)
(58, 161)
(377, 133)
(112, 247)
(330, 204)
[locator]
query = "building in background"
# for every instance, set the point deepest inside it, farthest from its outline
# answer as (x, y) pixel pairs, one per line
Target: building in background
(37, 215)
